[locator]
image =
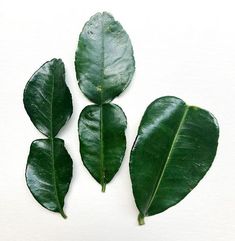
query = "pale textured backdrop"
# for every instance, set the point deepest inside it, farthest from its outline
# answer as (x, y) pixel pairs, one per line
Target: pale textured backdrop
(182, 48)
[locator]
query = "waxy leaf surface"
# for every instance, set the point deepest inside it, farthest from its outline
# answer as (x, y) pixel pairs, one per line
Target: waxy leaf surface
(174, 148)
(104, 59)
(49, 172)
(47, 99)
(48, 103)
(102, 140)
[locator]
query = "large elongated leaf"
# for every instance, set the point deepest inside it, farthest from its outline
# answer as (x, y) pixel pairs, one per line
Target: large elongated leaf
(104, 59)
(49, 172)
(102, 140)
(174, 148)
(48, 102)
(47, 99)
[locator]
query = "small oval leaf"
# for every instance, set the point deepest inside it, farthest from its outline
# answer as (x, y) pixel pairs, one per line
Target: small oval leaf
(49, 172)
(104, 59)
(47, 98)
(102, 140)
(175, 146)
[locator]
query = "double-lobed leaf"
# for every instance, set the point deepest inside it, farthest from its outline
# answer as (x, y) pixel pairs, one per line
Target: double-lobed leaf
(48, 103)
(102, 140)
(105, 65)
(174, 148)
(104, 59)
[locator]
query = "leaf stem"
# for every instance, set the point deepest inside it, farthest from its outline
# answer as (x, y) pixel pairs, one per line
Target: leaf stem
(141, 219)
(63, 214)
(103, 187)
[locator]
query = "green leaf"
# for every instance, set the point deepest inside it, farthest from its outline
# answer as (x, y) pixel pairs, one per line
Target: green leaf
(102, 140)
(49, 172)
(104, 59)
(47, 99)
(48, 103)
(175, 146)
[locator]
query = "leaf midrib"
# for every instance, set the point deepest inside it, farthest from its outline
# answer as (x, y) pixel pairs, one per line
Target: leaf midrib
(51, 137)
(102, 61)
(158, 180)
(102, 173)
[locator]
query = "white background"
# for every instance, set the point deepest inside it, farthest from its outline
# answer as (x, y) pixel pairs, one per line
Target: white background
(182, 48)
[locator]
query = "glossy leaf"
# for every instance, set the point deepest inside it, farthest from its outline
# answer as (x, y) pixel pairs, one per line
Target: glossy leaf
(49, 172)
(174, 148)
(48, 102)
(102, 140)
(47, 99)
(104, 59)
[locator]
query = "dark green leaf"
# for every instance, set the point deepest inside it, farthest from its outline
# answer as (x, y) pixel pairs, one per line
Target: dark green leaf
(174, 148)
(48, 102)
(49, 172)
(104, 59)
(102, 140)
(47, 99)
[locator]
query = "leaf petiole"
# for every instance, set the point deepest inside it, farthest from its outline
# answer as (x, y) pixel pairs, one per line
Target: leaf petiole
(141, 219)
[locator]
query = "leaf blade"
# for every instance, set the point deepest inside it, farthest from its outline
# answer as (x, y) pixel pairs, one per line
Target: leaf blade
(104, 59)
(45, 178)
(102, 140)
(172, 152)
(47, 99)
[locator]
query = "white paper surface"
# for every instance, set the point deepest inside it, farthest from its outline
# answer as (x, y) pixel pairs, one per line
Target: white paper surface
(182, 48)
